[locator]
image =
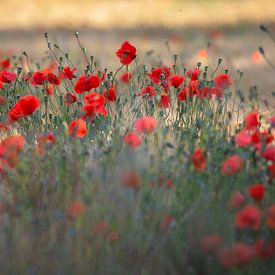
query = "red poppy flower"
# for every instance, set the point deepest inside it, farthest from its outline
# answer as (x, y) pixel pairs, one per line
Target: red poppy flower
(167, 222)
(182, 94)
(133, 140)
(4, 64)
(94, 97)
(232, 165)
(145, 124)
(217, 91)
(67, 73)
(237, 200)
(269, 153)
(199, 160)
(38, 78)
(25, 106)
(271, 170)
(193, 88)
(256, 191)
(149, 90)
(70, 98)
(223, 81)
(110, 94)
(251, 121)
(126, 53)
(7, 77)
(1, 85)
(193, 74)
(100, 228)
(90, 110)
(86, 82)
(78, 128)
(211, 243)
(238, 255)
(176, 80)
(263, 249)
(270, 220)
(164, 101)
(204, 92)
(126, 77)
(272, 120)
(131, 180)
(3, 100)
(76, 209)
(248, 217)
(158, 74)
(243, 139)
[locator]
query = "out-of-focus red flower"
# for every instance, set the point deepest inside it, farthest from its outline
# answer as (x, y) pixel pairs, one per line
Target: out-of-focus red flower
(94, 97)
(248, 217)
(4, 64)
(148, 90)
(158, 74)
(126, 77)
(3, 101)
(100, 228)
(256, 57)
(67, 73)
(204, 92)
(217, 91)
(70, 98)
(133, 140)
(7, 77)
(237, 200)
(223, 81)
(263, 249)
(85, 83)
(40, 77)
(232, 165)
(90, 110)
(238, 255)
(42, 141)
(269, 153)
(76, 208)
(167, 221)
(251, 121)
(110, 94)
(211, 243)
(193, 74)
(145, 124)
(78, 128)
(243, 139)
(202, 54)
(126, 53)
(1, 85)
(270, 220)
(176, 80)
(271, 170)
(25, 106)
(182, 94)
(164, 101)
(131, 180)
(257, 191)
(199, 159)
(272, 120)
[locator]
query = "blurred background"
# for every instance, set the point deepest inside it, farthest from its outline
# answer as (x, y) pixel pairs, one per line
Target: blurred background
(196, 30)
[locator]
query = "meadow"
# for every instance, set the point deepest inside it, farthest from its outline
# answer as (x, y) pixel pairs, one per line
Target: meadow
(134, 169)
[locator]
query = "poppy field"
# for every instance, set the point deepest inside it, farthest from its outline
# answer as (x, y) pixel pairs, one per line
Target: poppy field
(139, 169)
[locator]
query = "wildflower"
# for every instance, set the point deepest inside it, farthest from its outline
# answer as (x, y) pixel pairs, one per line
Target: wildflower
(271, 170)
(69, 99)
(85, 83)
(132, 140)
(7, 77)
(270, 220)
(1, 85)
(251, 121)
(199, 160)
(76, 209)
(256, 57)
(269, 153)
(256, 191)
(67, 73)
(248, 217)
(110, 94)
(168, 222)
(126, 77)
(164, 101)
(193, 74)
(40, 77)
(94, 97)
(182, 94)
(42, 141)
(131, 180)
(4, 64)
(25, 106)
(211, 243)
(146, 124)
(3, 100)
(90, 110)
(202, 54)
(243, 139)
(126, 53)
(232, 165)
(149, 90)
(237, 200)
(176, 80)
(78, 128)
(158, 74)
(238, 255)
(223, 81)
(100, 228)
(263, 249)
